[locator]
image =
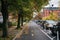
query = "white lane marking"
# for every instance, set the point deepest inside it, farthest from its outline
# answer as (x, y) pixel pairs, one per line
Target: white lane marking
(47, 34)
(32, 34)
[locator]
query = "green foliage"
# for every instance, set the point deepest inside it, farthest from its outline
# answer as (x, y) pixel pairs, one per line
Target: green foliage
(27, 6)
(37, 4)
(59, 19)
(12, 24)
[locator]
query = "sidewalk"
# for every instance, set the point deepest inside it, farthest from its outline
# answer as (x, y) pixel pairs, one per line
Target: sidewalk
(12, 32)
(9, 30)
(24, 30)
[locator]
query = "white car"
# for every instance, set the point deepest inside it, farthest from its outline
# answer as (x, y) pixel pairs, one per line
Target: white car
(1, 19)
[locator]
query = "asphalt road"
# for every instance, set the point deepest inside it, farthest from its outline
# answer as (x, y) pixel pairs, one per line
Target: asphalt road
(35, 33)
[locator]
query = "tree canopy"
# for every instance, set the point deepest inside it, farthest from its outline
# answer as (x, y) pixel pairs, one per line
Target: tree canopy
(27, 4)
(24, 7)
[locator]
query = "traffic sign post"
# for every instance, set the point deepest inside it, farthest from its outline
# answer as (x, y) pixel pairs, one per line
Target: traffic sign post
(57, 33)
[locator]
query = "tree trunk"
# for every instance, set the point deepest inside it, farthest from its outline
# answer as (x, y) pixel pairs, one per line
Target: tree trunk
(18, 25)
(4, 11)
(19, 16)
(21, 20)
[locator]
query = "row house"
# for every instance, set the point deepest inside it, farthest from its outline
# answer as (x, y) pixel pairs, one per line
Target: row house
(48, 10)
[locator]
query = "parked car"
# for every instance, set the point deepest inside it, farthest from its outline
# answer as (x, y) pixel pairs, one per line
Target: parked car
(49, 24)
(35, 21)
(56, 28)
(1, 19)
(40, 22)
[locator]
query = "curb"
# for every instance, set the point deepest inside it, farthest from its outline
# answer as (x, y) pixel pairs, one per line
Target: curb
(20, 33)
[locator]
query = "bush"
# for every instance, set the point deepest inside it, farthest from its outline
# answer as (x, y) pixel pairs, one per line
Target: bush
(12, 24)
(9, 24)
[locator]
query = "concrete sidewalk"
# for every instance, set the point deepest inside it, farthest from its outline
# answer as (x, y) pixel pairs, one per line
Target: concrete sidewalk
(24, 30)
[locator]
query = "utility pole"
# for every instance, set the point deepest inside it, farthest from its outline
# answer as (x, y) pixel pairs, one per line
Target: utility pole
(57, 35)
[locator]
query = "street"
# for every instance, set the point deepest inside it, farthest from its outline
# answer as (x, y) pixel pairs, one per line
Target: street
(35, 33)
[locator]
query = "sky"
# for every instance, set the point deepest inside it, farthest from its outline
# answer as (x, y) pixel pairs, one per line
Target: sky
(54, 2)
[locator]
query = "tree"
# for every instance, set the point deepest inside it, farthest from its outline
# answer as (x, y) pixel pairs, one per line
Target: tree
(32, 5)
(19, 18)
(22, 6)
(4, 11)
(27, 4)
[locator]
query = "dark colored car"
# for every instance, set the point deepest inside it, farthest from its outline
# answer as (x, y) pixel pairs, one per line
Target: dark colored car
(40, 22)
(49, 24)
(56, 28)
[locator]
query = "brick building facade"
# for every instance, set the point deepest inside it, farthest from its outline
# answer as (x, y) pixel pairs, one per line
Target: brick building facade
(48, 10)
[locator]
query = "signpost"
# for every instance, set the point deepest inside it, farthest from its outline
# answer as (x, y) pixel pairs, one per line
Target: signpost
(57, 35)
(57, 32)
